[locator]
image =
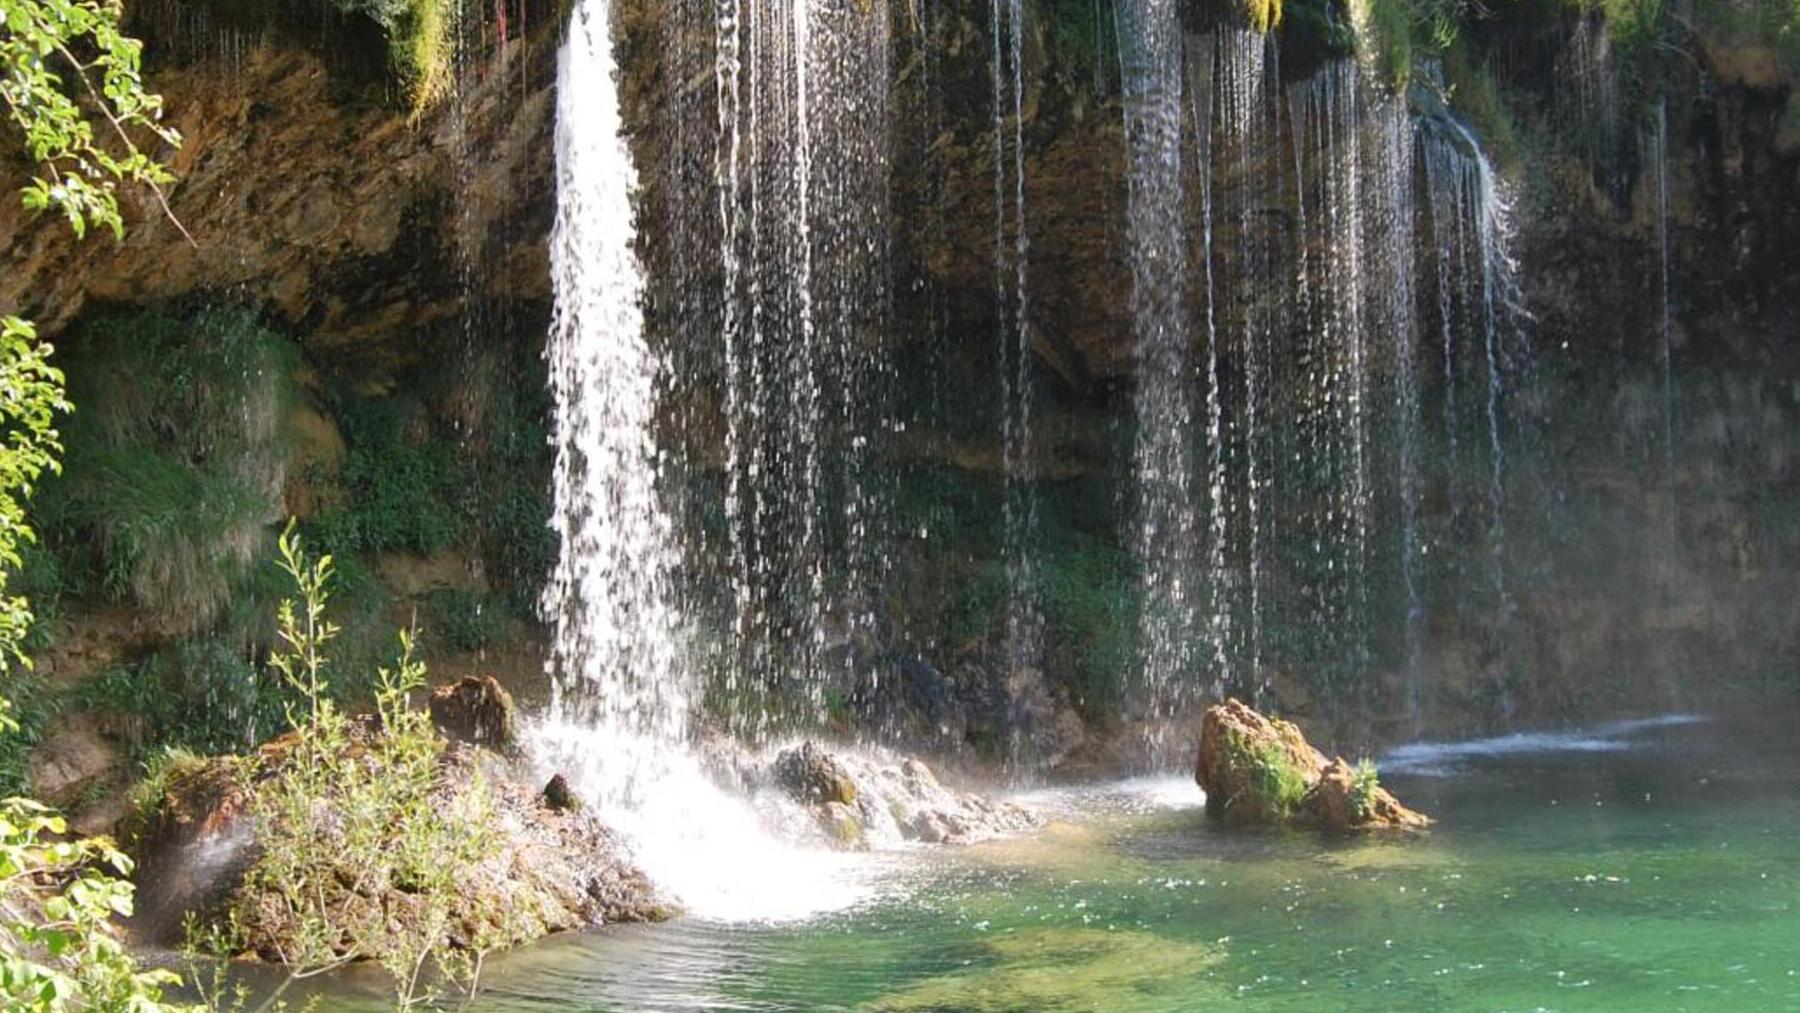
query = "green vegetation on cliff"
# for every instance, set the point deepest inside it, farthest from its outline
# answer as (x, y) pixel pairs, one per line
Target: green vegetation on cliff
(421, 38)
(177, 462)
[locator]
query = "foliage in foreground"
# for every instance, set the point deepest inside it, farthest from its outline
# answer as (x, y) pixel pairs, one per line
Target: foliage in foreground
(58, 951)
(57, 948)
(44, 86)
(57, 897)
(364, 849)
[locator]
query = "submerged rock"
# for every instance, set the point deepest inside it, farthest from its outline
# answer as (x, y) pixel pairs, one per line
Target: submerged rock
(858, 801)
(1068, 968)
(1259, 770)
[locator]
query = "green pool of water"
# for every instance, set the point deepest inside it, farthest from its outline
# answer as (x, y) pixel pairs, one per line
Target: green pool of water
(1660, 874)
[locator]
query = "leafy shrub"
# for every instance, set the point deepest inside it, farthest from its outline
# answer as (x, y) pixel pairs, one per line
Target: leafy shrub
(1265, 15)
(1384, 31)
(204, 694)
(467, 620)
(399, 482)
(30, 714)
(1274, 777)
(58, 950)
(1090, 602)
(1364, 783)
(64, 955)
(326, 819)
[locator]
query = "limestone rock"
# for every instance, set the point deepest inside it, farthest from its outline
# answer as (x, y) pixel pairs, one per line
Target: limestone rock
(559, 796)
(1258, 770)
(811, 775)
(1253, 769)
(890, 802)
(549, 869)
(1343, 800)
(474, 710)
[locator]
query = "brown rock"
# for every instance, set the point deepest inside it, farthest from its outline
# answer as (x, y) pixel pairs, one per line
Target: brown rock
(1256, 769)
(551, 869)
(1341, 800)
(559, 796)
(1253, 769)
(474, 710)
(812, 775)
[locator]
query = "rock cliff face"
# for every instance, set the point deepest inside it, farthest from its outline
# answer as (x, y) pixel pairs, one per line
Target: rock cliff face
(319, 203)
(387, 246)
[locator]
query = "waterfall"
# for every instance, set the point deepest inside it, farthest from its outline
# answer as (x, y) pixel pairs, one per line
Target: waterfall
(1313, 368)
(617, 637)
(1492, 214)
(1201, 61)
(1241, 70)
(1399, 319)
(1012, 310)
(1467, 190)
(623, 674)
(1164, 521)
(1667, 320)
(800, 177)
(1299, 435)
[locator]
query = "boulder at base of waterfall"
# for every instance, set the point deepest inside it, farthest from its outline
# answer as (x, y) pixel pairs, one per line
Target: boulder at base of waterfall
(813, 776)
(478, 711)
(857, 801)
(545, 869)
(559, 796)
(1259, 770)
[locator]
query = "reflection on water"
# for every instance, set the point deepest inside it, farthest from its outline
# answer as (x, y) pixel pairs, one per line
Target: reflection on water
(1658, 875)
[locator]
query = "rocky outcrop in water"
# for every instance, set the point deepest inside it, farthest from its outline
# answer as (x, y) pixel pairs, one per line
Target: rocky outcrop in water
(1258, 770)
(549, 868)
(857, 801)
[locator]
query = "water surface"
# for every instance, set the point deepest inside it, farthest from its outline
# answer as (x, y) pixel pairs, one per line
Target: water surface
(1645, 866)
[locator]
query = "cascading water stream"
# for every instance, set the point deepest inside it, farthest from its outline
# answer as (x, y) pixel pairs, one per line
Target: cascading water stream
(1241, 70)
(1667, 320)
(1399, 319)
(1163, 522)
(800, 184)
(617, 645)
(624, 685)
(1012, 308)
(1466, 189)
(1202, 56)
(1339, 280)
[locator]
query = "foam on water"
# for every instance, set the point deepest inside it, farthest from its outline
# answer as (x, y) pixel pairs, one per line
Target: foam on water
(1147, 793)
(708, 847)
(1437, 759)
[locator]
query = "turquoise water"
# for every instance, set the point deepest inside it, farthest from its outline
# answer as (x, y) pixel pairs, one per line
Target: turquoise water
(1652, 868)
